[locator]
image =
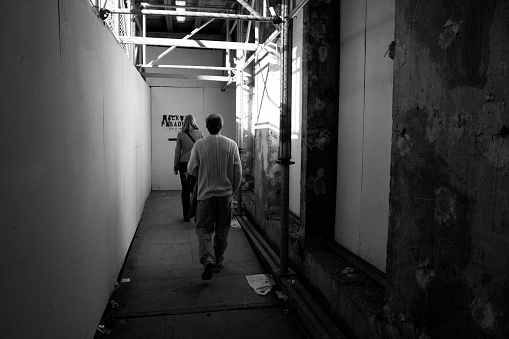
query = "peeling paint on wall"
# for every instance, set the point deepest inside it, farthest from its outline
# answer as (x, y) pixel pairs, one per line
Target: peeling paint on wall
(445, 206)
(323, 52)
(424, 274)
(482, 312)
(498, 153)
(404, 144)
(456, 128)
(449, 32)
(434, 125)
(319, 138)
(316, 184)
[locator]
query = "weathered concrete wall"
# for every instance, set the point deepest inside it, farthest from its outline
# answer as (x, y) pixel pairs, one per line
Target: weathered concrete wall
(448, 259)
(320, 118)
(266, 176)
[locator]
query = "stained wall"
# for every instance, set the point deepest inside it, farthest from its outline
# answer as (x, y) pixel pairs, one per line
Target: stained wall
(448, 259)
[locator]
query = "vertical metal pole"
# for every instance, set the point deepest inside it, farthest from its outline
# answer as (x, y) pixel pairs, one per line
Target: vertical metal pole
(285, 135)
(227, 60)
(144, 48)
(240, 105)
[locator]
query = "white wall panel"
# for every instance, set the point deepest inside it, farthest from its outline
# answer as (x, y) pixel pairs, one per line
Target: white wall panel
(377, 133)
(74, 167)
(350, 123)
(365, 124)
(198, 101)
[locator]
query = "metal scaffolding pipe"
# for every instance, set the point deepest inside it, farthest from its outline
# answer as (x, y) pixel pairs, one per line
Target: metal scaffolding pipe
(248, 7)
(211, 68)
(200, 8)
(187, 43)
(241, 58)
(162, 12)
(196, 30)
(253, 56)
(186, 76)
(297, 8)
(285, 134)
(144, 33)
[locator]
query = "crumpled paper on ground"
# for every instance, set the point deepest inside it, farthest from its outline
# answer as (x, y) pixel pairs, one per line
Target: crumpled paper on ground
(261, 283)
(235, 224)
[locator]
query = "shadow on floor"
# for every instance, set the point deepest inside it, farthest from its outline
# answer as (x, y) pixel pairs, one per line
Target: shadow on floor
(161, 293)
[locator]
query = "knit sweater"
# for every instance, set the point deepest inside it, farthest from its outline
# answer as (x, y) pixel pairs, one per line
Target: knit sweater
(215, 161)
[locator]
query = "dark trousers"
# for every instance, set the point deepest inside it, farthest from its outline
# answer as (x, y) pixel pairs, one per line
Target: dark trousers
(213, 216)
(186, 190)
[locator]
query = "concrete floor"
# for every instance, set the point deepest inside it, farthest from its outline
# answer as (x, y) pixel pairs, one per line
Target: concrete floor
(166, 297)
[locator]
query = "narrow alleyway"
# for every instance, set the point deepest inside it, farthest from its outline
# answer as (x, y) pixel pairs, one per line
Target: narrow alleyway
(162, 295)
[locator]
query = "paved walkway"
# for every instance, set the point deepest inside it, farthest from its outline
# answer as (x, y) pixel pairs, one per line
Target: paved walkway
(166, 297)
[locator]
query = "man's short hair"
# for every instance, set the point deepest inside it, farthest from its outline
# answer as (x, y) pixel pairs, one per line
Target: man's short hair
(214, 123)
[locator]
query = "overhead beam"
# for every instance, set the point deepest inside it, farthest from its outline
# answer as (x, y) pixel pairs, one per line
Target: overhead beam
(191, 14)
(248, 7)
(200, 8)
(198, 36)
(186, 76)
(210, 68)
(188, 43)
(196, 30)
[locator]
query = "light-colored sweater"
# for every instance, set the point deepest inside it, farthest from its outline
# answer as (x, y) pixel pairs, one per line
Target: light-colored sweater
(215, 161)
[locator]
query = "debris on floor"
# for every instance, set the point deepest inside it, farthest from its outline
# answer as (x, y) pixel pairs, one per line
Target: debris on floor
(261, 283)
(349, 271)
(235, 224)
(103, 329)
(126, 280)
(281, 295)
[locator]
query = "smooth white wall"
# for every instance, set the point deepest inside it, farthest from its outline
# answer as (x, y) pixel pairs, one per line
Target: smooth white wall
(183, 97)
(74, 167)
(365, 123)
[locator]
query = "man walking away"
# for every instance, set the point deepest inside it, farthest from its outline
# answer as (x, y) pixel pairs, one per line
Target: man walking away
(215, 161)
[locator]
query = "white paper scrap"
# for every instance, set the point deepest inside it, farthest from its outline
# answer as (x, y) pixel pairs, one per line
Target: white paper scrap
(261, 283)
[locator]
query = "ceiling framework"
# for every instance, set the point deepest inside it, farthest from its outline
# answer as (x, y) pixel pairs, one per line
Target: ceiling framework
(204, 24)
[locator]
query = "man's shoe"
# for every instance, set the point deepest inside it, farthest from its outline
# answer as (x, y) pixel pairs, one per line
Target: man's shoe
(207, 272)
(218, 267)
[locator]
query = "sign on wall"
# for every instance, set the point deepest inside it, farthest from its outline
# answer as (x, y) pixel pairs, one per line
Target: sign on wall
(172, 122)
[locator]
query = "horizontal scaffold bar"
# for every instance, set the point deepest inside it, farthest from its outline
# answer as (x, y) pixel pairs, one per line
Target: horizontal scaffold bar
(210, 68)
(188, 43)
(186, 76)
(191, 14)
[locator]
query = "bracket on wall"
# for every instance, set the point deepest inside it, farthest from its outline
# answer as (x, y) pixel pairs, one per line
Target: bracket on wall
(104, 13)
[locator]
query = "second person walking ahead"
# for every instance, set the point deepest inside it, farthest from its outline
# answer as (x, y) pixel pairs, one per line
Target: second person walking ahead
(185, 142)
(215, 161)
